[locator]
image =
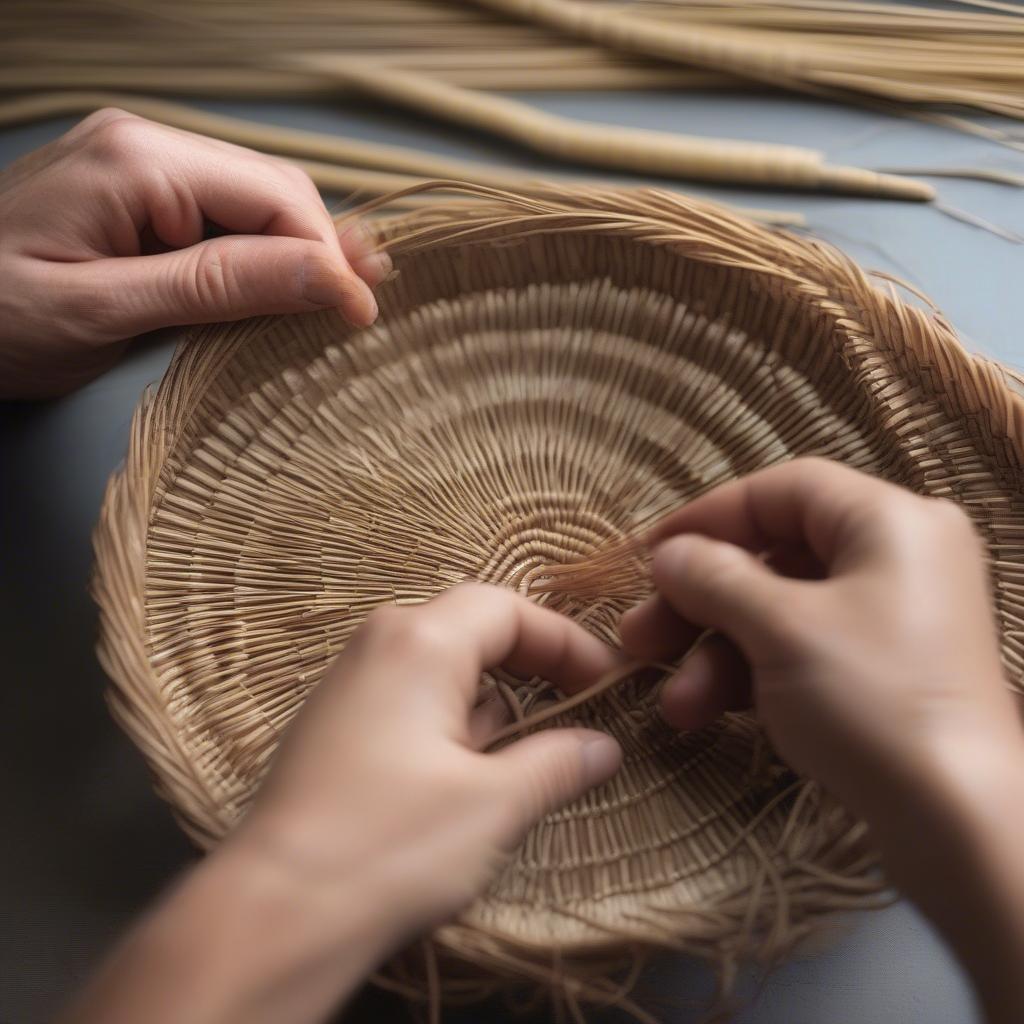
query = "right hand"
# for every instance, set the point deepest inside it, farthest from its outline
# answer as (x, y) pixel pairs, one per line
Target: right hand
(853, 614)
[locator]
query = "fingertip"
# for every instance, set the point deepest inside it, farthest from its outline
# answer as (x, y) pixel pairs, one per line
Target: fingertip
(669, 559)
(375, 268)
(359, 305)
(329, 282)
(601, 756)
(713, 679)
(356, 238)
(653, 631)
(633, 625)
(486, 719)
(684, 704)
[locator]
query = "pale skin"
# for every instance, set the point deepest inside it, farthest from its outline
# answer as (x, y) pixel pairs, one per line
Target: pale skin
(853, 616)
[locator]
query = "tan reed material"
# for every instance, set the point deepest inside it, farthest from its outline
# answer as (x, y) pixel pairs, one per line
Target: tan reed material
(335, 163)
(550, 373)
(895, 61)
(932, 54)
(907, 60)
(664, 154)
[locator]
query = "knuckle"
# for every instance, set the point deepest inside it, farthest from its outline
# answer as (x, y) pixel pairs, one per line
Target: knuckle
(424, 639)
(98, 118)
(119, 137)
(722, 566)
(212, 280)
(472, 590)
(408, 631)
(813, 472)
(893, 508)
(295, 174)
(950, 519)
(812, 465)
(384, 620)
(84, 315)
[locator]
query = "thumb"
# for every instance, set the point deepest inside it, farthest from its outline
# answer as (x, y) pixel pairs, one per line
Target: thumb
(720, 586)
(550, 769)
(227, 278)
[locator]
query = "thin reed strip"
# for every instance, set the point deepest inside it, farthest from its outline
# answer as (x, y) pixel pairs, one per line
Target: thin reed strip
(437, 57)
(335, 163)
(563, 707)
(820, 64)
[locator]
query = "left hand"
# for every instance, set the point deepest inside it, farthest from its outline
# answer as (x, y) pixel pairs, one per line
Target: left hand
(380, 818)
(389, 743)
(103, 237)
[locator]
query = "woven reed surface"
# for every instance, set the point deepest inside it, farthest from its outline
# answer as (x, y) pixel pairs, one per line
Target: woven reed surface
(548, 376)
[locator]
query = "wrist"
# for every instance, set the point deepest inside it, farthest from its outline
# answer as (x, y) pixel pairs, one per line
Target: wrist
(416, 876)
(306, 916)
(950, 791)
(242, 939)
(957, 852)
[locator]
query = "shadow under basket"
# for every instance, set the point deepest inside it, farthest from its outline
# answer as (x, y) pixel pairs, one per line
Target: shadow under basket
(550, 373)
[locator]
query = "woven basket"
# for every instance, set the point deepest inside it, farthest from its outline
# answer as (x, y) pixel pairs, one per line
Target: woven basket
(549, 375)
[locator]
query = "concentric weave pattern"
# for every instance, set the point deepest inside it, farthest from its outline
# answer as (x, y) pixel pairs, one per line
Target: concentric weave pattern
(546, 379)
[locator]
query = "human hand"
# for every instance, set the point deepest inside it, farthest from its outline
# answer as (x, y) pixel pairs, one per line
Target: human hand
(866, 643)
(102, 238)
(381, 780)
(379, 818)
(856, 617)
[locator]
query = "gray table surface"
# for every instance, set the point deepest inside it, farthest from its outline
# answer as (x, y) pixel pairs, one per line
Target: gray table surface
(83, 842)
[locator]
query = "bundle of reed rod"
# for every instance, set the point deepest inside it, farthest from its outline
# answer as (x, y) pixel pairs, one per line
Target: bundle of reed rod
(335, 163)
(447, 58)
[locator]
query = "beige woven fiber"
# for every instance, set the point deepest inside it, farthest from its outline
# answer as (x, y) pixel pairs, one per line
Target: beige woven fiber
(550, 373)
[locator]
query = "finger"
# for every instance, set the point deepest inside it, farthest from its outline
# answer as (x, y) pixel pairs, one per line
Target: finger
(224, 278)
(175, 181)
(485, 720)
(807, 502)
(654, 632)
(713, 679)
(364, 253)
(723, 587)
(492, 626)
(188, 178)
(550, 769)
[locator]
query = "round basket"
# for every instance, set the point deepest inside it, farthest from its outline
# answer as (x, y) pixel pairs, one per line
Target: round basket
(549, 375)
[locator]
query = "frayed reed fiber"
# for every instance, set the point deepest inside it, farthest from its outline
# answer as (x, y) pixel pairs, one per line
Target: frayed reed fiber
(550, 373)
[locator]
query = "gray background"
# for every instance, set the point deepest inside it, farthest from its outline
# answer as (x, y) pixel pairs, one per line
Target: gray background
(83, 843)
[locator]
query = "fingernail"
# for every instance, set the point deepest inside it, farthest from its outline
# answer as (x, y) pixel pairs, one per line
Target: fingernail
(375, 268)
(372, 309)
(601, 757)
(363, 239)
(627, 617)
(676, 699)
(691, 675)
(669, 558)
(385, 263)
(323, 284)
